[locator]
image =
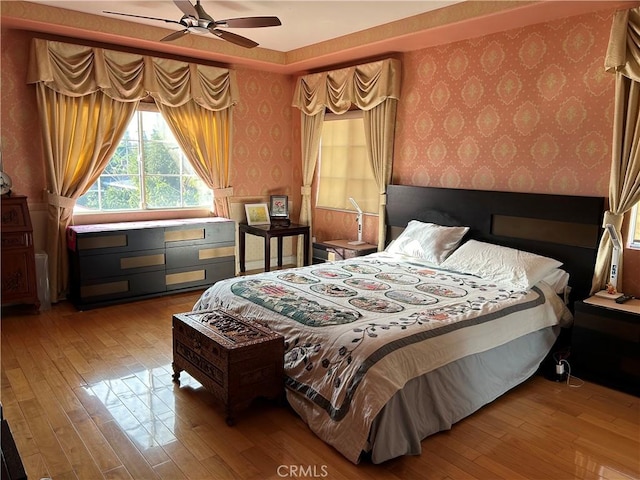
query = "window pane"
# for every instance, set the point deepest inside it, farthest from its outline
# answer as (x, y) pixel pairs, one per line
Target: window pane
(635, 232)
(162, 191)
(344, 168)
(120, 192)
(168, 178)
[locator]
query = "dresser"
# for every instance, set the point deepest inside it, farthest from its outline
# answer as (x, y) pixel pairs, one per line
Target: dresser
(19, 282)
(118, 262)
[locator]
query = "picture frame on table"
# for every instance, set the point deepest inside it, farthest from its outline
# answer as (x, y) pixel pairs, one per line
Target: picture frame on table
(279, 206)
(257, 214)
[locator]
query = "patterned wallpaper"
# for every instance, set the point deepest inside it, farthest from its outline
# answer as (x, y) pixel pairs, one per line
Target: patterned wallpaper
(265, 160)
(19, 124)
(526, 110)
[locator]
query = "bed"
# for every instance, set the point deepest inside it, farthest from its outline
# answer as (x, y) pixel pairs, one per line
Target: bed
(384, 350)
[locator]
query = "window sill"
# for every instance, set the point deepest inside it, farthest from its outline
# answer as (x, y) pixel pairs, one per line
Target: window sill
(139, 215)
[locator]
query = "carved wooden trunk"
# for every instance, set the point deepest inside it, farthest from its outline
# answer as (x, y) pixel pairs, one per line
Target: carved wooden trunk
(235, 359)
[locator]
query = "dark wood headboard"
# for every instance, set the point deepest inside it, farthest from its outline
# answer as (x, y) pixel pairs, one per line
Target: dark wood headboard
(567, 228)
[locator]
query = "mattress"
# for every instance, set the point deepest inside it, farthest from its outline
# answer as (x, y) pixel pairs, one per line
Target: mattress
(359, 331)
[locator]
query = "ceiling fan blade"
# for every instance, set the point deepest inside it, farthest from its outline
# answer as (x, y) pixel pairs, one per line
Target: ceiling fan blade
(201, 13)
(233, 38)
(249, 22)
(175, 35)
(141, 16)
(186, 7)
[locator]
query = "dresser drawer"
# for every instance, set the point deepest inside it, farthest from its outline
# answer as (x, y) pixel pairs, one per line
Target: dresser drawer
(199, 275)
(199, 254)
(17, 239)
(100, 243)
(122, 263)
(112, 288)
(202, 233)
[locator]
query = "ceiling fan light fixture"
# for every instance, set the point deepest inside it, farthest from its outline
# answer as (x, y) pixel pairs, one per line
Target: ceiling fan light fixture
(196, 20)
(200, 30)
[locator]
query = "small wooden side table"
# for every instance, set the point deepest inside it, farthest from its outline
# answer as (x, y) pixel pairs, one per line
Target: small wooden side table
(268, 232)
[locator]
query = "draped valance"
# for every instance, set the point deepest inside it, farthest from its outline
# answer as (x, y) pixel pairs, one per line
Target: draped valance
(77, 70)
(365, 86)
(623, 52)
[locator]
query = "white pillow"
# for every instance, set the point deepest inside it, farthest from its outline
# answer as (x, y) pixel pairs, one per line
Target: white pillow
(521, 270)
(427, 241)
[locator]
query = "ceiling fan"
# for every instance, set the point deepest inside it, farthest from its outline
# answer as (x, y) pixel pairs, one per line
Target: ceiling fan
(196, 20)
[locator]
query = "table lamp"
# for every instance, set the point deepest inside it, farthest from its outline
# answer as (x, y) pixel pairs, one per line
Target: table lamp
(359, 220)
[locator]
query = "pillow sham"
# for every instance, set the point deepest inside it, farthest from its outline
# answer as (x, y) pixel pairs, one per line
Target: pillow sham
(504, 265)
(558, 279)
(427, 241)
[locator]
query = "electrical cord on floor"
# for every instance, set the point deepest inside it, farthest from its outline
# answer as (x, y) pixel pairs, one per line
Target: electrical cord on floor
(566, 365)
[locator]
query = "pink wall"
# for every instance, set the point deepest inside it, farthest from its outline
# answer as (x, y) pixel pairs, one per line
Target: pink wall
(21, 141)
(527, 110)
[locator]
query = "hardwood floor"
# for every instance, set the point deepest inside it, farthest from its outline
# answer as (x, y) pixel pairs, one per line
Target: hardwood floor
(89, 395)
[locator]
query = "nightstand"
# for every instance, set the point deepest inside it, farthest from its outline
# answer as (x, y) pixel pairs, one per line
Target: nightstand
(605, 343)
(339, 250)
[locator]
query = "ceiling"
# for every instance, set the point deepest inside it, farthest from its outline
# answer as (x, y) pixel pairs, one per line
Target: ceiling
(304, 22)
(313, 34)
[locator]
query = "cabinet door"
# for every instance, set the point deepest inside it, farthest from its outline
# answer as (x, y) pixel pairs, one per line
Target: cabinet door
(18, 281)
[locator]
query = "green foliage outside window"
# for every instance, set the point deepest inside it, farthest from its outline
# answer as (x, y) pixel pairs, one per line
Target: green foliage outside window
(147, 170)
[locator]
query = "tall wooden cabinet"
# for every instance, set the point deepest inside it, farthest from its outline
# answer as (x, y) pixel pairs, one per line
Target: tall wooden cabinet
(19, 282)
(118, 262)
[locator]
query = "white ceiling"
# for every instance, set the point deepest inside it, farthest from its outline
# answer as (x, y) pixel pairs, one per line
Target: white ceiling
(304, 22)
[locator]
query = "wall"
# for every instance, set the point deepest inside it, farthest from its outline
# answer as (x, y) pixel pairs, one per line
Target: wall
(527, 110)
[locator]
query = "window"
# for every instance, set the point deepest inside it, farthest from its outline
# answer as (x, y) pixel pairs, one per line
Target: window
(147, 171)
(344, 169)
(634, 227)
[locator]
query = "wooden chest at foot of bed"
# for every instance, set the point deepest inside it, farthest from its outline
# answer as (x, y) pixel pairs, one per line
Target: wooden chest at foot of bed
(233, 358)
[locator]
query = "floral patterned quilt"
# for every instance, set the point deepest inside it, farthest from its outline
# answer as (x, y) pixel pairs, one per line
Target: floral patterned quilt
(357, 330)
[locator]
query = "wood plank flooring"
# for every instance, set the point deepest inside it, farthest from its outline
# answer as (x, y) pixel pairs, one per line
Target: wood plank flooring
(89, 395)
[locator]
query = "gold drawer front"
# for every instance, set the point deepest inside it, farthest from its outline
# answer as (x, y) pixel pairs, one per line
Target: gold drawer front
(107, 241)
(142, 261)
(104, 289)
(182, 235)
(219, 252)
(185, 277)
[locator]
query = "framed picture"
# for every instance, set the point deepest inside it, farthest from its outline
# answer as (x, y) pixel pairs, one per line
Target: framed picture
(257, 214)
(279, 206)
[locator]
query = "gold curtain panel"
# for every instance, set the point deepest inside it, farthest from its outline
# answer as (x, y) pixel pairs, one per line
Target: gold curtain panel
(78, 70)
(365, 86)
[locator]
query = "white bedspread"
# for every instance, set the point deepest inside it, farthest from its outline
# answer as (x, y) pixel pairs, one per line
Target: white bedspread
(357, 330)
